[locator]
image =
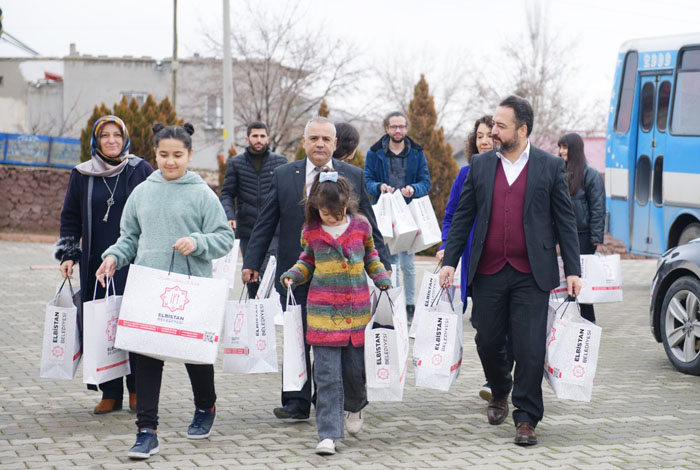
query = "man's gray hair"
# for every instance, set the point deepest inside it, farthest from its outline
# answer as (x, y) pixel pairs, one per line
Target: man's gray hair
(320, 120)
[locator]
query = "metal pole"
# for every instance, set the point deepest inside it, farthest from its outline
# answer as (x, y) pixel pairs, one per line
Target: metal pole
(228, 81)
(175, 64)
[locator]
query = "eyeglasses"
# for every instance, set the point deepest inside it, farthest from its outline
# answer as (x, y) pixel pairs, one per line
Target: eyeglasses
(398, 128)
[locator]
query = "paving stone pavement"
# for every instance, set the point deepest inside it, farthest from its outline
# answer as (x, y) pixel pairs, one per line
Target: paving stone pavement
(643, 414)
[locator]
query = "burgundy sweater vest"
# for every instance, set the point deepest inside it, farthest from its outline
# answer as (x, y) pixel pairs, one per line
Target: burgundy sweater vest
(505, 238)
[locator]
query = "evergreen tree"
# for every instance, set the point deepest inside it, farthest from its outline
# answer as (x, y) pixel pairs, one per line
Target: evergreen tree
(438, 153)
(232, 152)
(138, 120)
(323, 109)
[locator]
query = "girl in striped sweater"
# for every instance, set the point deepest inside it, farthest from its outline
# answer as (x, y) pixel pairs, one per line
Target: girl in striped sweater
(337, 250)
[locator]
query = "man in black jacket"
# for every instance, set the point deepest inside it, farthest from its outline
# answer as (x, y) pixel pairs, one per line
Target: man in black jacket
(285, 206)
(520, 200)
(247, 181)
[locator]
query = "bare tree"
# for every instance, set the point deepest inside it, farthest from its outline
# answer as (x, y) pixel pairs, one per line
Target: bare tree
(283, 72)
(396, 78)
(539, 66)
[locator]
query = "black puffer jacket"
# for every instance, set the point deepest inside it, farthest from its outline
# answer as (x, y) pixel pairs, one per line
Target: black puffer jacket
(248, 188)
(589, 205)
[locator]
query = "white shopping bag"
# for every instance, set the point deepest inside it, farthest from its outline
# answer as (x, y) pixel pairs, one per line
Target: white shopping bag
(101, 360)
(171, 316)
(382, 212)
(294, 373)
(61, 348)
(225, 268)
(572, 353)
(277, 305)
(250, 345)
(437, 350)
(429, 290)
(601, 280)
(386, 347)
(268, 279)
(405, 228)
(429, 232)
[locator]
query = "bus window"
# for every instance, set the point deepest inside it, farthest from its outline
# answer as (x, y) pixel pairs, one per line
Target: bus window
(691, 59)
(642, 180)
(662, 108)
(647, 109)
(685, 119)
(626, 94)
(658, 195)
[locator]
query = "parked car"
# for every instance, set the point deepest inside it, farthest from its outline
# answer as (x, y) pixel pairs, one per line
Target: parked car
(674, 313)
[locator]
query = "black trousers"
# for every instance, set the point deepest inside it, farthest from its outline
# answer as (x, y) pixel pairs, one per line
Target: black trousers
(586, 248)
(149, 375)
(115, 388)
(272, 250)
(302, 399)
(511, 300)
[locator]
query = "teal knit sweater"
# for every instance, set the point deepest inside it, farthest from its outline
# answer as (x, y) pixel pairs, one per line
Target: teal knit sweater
(158, 212)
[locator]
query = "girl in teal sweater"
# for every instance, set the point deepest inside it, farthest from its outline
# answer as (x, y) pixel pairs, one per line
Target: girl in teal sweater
(172, 210)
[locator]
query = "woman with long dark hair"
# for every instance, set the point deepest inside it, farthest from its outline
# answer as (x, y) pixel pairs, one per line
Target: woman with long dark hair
(588, 199)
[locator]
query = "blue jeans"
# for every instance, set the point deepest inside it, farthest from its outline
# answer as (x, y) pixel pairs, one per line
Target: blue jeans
(339, 374)
(404, 261)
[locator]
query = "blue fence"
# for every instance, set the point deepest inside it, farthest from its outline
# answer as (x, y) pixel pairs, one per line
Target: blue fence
(39, 150)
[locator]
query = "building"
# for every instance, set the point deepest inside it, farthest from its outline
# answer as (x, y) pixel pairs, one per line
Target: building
(56, 96)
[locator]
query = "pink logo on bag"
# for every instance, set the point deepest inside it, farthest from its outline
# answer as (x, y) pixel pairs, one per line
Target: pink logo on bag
(552, 337)
(261, 345)
(579, 371)
(174, 298)
(112, 329)
(238, 323)
(383, 373)
(437, 359)
(57, 351)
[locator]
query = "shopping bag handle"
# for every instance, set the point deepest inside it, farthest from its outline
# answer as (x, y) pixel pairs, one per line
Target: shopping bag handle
(290, 296)
(172, 263)
(384, 291)
(565, 304)
(442, 291)
(437, 267)
(110, 282)
(70, 286)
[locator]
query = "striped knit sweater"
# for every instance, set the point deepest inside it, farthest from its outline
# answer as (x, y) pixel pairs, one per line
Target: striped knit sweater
(338, 306)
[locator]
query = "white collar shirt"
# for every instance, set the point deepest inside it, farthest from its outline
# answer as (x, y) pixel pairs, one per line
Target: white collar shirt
(513, 170)
(311, 171)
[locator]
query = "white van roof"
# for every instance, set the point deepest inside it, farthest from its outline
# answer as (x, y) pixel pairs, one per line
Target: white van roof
(661, 43)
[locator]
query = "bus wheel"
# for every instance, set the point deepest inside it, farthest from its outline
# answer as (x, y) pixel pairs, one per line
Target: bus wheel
(680, 324)
(691, 232)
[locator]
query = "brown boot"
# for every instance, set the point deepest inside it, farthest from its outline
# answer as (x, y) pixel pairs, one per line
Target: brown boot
(132, 401)
(497, 410)
(107, 405)
(525, 434)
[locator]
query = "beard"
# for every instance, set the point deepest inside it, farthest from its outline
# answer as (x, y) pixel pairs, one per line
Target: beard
(397, 141)
(506, 146)
(255, 151)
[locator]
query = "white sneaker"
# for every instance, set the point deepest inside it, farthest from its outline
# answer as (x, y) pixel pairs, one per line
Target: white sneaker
(326, 447)
(353, 422)
(485, 392)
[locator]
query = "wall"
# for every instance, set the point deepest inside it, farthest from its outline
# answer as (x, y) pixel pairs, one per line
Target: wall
(32, 198)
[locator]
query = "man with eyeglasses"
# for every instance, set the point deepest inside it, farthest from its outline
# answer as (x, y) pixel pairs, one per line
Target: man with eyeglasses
(396, 162)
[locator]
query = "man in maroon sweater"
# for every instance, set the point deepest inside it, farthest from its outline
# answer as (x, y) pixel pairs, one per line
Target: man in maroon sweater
(520, 199)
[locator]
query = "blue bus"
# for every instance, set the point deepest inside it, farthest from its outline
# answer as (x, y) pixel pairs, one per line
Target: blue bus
(652, 151)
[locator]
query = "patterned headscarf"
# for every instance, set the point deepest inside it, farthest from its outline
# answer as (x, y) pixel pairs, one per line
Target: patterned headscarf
(95, 139)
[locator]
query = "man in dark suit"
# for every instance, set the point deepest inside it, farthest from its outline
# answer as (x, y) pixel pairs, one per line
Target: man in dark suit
(285, 204)
(520, 199)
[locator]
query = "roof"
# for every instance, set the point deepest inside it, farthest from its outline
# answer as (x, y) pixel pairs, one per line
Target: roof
(660, 43)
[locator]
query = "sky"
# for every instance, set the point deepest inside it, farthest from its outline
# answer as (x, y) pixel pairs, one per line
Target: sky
(471, 30)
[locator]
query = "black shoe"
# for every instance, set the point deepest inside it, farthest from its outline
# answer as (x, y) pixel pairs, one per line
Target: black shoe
(290, 411)
(410, 310)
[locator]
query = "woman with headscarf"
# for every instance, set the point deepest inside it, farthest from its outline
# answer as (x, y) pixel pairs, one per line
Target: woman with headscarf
(92, 209)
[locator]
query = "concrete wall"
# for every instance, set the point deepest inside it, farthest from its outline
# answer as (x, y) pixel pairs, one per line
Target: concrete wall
(32, 198)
